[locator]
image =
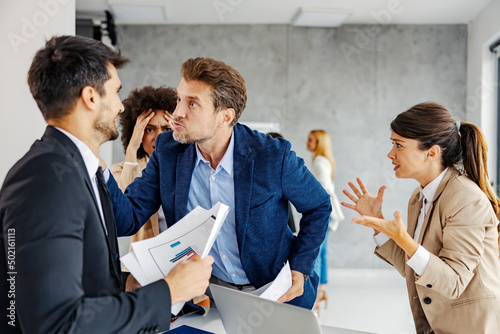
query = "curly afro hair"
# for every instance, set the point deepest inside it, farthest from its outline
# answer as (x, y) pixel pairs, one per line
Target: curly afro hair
(139, 101)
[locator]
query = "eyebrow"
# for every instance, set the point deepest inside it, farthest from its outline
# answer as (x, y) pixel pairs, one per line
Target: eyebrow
(154, 126)
(397, 140)
(191, 97)
(194, 98)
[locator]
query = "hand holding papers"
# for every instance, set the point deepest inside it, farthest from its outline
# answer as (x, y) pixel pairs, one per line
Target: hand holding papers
(191, 237)
(277, 288)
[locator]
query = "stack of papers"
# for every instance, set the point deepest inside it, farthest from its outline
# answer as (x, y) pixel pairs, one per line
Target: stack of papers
(191, 237)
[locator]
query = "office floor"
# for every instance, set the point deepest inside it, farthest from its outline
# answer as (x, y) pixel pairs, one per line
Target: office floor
(368, 300)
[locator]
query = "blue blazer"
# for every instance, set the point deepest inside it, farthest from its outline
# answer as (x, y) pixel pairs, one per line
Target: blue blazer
(267, 174)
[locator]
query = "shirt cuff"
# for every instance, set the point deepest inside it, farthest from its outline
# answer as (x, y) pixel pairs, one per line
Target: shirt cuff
(131, 163)
(419, 260)
(380, 239)
(106, 174)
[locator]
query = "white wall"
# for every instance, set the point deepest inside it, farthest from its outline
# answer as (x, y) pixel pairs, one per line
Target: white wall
(25, 25)
(481, 103)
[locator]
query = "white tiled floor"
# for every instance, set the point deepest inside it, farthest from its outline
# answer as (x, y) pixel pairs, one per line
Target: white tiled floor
(372, 300)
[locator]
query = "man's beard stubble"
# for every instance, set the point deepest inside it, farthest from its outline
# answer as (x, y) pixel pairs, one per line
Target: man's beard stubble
(106, 130)
(186, 138)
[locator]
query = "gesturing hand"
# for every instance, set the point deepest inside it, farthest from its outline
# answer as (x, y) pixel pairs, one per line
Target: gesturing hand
(394, 229)
(364, 203)
(137, 135)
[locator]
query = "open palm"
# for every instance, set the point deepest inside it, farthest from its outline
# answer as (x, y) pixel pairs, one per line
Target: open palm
(364, 203)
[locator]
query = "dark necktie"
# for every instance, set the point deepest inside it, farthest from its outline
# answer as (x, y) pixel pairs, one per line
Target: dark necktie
(109, 218)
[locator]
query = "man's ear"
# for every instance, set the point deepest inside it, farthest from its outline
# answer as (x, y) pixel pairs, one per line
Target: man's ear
(433, 152)
(228, 115)
(89, 97)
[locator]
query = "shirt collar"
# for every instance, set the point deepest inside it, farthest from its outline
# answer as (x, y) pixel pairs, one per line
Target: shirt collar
(89, 158)
(429, 190)
(227, 160)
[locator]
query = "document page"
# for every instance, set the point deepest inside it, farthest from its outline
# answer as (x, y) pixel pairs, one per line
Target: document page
(191, 237)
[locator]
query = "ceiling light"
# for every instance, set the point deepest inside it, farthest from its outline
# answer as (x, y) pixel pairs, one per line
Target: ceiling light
(144, 12)
(320, 17)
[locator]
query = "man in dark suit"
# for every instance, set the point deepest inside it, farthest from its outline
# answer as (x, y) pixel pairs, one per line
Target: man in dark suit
(59, 258)
(209, 157)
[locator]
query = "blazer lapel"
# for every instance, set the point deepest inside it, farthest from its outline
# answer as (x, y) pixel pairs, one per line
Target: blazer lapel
(243, 176)
(450, 173)
(184, 171)
(414, 207)
(76, 163)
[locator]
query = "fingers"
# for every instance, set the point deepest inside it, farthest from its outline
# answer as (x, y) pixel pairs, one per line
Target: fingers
(397, 215)
(361, 185)
(355, 189)
(292, 293)
(208, 260)
(144, 118)
(146, 114)
(349, 206)
(285, 298)
(168, 117)
(380, 195)
(148, 117)
(366, 221)
(351, 197)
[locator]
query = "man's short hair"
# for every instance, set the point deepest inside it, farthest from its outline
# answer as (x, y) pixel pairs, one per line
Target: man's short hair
(65, 66)
(229, 88)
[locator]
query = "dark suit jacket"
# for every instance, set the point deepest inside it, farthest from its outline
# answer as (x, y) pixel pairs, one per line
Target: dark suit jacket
(67, 277)
(267, 174)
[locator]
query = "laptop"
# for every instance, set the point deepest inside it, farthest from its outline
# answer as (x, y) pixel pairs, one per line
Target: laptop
(244, 313)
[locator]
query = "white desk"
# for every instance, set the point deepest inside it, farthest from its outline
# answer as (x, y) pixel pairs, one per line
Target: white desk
(211, 322)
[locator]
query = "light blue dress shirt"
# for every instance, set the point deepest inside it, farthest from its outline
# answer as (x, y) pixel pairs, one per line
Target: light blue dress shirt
(209, 186)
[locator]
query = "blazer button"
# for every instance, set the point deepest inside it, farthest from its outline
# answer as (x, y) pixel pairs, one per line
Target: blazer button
(427, 300)
(429, 286)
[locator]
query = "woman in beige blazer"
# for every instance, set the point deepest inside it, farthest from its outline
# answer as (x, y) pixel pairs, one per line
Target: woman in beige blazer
(141, 122)
(449, 254)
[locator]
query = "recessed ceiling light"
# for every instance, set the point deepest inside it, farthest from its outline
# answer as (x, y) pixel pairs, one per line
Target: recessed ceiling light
(320, 17)
(143, 12)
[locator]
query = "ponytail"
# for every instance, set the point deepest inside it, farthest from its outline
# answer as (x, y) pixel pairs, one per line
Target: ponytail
(474, 161)
(431, 124)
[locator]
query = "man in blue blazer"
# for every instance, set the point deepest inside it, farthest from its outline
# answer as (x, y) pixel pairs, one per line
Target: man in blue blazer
(209, 157)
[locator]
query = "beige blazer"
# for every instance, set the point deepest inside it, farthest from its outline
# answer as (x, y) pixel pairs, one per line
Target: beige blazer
(124, 175)
(459, 291)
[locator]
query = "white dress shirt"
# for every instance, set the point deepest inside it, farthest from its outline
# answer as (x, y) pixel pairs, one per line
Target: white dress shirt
(91, 164)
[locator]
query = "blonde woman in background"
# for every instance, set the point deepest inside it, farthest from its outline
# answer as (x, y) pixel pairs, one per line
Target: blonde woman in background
(323, 168)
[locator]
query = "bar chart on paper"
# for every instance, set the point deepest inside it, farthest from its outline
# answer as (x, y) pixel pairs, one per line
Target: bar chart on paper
(175, 252)
(182, 247)
(185, 254)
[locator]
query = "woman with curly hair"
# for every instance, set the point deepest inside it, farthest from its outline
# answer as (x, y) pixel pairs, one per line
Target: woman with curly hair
(142, 121)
